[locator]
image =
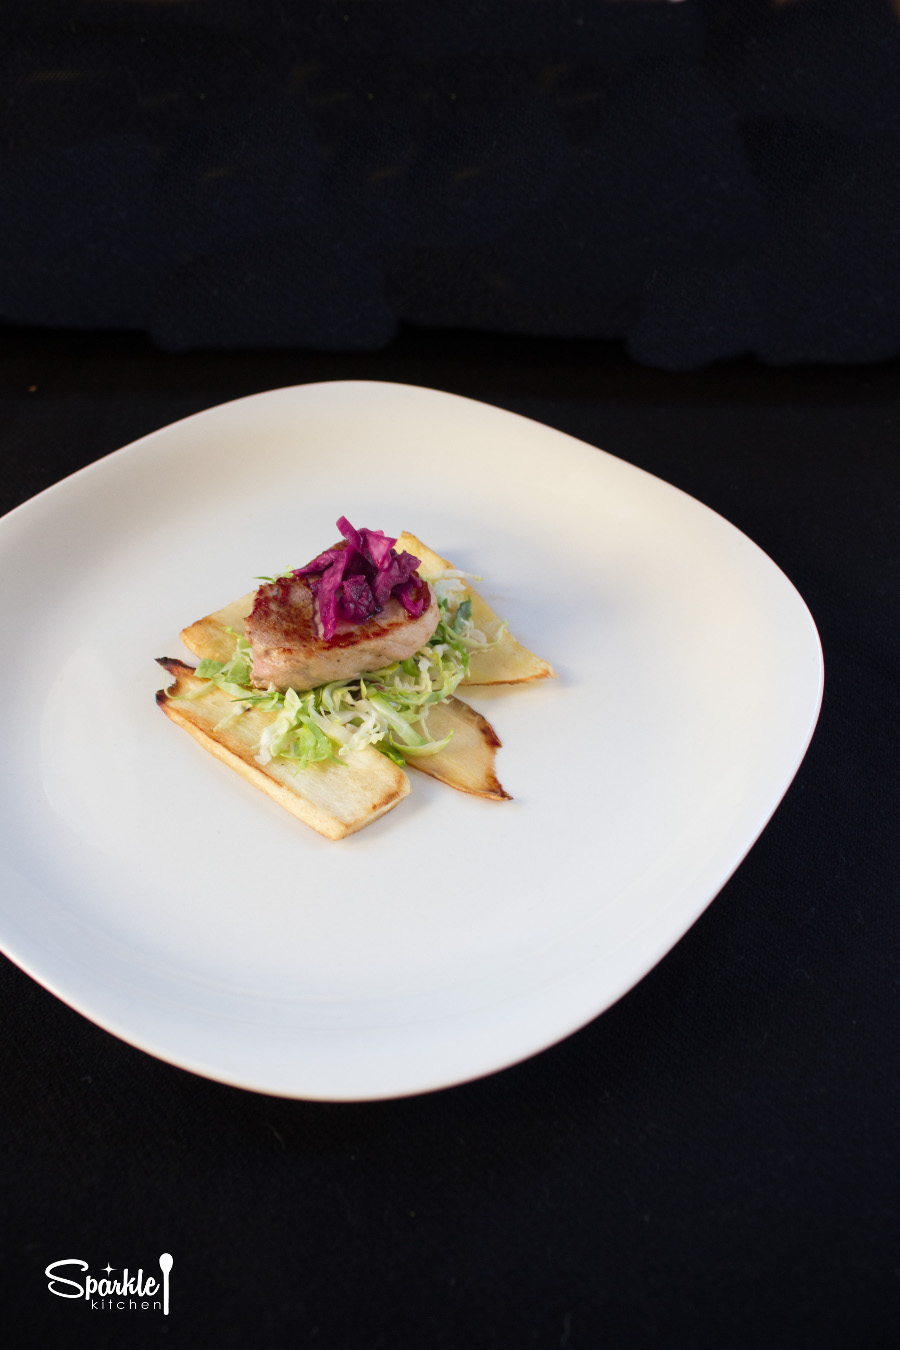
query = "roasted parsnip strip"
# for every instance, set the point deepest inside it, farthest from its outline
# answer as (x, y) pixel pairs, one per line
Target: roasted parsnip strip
(507, 663)
(210, 638)
(334, 799)
(467, 762)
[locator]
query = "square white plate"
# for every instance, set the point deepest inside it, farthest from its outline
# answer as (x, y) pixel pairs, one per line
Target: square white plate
(156, 892)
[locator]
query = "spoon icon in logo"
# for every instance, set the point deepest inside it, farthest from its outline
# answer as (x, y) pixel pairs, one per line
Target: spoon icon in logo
(165, 1265)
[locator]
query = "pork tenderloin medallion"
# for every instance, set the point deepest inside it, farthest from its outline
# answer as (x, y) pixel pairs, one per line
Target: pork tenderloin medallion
(290, 651)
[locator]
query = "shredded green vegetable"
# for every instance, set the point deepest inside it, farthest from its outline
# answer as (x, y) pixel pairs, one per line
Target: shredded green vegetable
(386, 708)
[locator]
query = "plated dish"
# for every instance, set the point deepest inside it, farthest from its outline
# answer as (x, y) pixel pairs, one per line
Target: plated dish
(148, 888)
(328, 681)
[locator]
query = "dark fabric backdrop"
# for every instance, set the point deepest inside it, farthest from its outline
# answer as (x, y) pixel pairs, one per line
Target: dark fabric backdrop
(699, 179)
(714, 1164)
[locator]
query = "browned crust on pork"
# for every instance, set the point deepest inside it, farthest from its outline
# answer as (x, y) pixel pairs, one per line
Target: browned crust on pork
(289, 651)
(284, 615)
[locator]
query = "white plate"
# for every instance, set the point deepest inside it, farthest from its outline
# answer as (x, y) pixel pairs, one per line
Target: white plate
(156, 892)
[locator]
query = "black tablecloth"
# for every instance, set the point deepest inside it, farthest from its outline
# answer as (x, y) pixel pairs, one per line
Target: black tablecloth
(702, 180)
(711, 1163)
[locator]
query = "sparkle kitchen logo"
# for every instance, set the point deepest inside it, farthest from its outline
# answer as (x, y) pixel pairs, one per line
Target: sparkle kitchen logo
(127, 1293)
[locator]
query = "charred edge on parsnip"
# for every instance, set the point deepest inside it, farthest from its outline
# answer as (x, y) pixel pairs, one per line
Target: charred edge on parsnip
(177, 669)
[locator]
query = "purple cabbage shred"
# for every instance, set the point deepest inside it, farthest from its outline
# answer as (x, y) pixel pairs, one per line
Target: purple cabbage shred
(355, 582)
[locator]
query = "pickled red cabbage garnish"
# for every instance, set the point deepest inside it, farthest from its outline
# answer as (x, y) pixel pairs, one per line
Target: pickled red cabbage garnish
(355, 581)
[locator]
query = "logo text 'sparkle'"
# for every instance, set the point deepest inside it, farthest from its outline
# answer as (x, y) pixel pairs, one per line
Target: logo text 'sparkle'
(130, 1293)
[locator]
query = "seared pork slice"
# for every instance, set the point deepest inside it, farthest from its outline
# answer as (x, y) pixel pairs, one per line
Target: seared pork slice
(289, 651)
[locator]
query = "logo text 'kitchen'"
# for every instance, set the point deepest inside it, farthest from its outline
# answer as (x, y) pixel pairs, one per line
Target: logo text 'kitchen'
(125, 1293)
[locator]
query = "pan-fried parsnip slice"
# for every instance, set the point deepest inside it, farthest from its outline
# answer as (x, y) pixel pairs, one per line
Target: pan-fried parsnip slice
(210, 638)
(467, 762)
(507, 663)
(335, 799)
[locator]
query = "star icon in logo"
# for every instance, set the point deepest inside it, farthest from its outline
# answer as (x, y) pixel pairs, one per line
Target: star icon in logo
(108, 1268)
